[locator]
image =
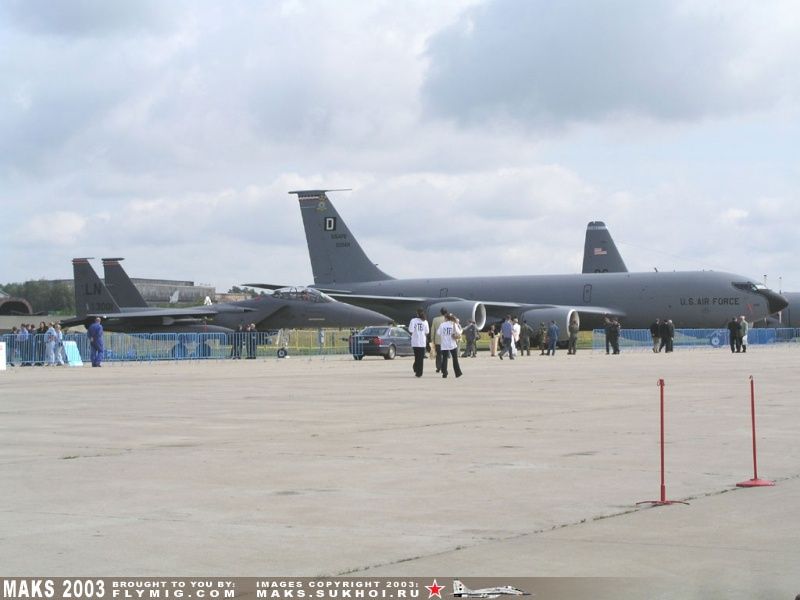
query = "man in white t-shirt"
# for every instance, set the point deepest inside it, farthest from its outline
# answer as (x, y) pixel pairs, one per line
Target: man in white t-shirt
(450, 332)
(419, 339)
(437, 340)
(515, 331)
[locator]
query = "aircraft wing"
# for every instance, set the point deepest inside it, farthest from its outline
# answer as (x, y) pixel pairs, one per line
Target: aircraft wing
(400, 307)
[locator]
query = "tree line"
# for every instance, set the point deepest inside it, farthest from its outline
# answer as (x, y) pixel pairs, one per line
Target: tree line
(43, 295)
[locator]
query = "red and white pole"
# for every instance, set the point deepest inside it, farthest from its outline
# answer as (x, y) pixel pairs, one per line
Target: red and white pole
(755, 481)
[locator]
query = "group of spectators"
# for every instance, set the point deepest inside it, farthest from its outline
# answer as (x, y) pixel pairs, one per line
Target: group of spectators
(513, 338)
(42, 345)
(662, 331)
(737, 333)
(247, 337)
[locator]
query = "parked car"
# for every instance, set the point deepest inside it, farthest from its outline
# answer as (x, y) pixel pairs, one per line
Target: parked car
(381, 341)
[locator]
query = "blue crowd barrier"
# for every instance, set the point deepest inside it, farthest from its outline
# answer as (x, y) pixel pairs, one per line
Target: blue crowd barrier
(120, 347)
(640, 339)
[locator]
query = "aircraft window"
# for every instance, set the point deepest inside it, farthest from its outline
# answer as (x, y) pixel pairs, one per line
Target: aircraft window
(749, 286)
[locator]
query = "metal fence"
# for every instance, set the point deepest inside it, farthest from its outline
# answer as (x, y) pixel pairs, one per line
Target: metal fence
(640, 339)
(122, 347)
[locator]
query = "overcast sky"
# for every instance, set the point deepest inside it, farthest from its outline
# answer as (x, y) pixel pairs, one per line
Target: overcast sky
(478, 137)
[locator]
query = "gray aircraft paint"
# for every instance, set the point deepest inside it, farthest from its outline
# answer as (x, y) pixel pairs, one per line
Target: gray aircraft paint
(600, 254)
(120, 285)
(690, 299)
(92, 298)
(609, 260)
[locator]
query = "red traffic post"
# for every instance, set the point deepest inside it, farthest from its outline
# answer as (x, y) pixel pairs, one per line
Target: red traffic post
(755, 481)
(663, 501)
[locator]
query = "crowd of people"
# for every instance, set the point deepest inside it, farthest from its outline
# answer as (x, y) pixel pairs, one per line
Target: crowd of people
(42, 345)
(513, 339)
(737, 332)
(441, 340)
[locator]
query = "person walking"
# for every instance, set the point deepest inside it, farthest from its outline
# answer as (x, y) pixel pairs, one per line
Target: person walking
(655, 334)
(437, 340)
(733, 333)
(471, 335)
(492, 340)
(449, 333)
(516, 329)
(95, 335)
(670, 335)
(419, 340)
(507, 332)
(542, 338)
(526, 336)
(663, 332)
(743, 328)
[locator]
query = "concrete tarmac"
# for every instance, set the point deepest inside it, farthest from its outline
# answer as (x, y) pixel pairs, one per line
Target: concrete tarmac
(328, 466)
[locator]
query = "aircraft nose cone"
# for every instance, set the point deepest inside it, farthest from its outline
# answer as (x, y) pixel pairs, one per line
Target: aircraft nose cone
(776, 302)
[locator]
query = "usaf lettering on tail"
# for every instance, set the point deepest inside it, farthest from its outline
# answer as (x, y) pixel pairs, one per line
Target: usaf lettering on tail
(346, 273)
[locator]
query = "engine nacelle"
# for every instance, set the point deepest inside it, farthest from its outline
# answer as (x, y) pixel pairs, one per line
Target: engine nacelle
(562, 315)
(465, 310)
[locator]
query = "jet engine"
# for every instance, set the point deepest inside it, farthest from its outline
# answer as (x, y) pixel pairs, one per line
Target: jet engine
(562, 315)
(465, 310)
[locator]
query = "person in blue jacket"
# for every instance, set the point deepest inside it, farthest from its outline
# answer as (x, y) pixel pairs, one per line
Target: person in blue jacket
(95, 335)
(552, 338)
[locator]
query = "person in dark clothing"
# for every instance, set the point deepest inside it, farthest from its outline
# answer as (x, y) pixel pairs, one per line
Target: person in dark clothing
(733, 333)
(613, 335)
(95, 335)
(252, 340)
(663, 332)
(236, 342)
(525, 337)
(670, 335)
(655, 333)
(607, 330)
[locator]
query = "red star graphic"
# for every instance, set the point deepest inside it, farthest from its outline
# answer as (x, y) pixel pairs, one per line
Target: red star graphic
(435, 590)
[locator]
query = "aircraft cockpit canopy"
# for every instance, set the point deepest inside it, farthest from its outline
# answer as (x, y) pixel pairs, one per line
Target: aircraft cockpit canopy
(302, 293)
(749, 286)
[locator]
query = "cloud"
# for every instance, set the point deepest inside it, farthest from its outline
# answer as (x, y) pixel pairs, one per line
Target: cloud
(478, 137)
(548, 64)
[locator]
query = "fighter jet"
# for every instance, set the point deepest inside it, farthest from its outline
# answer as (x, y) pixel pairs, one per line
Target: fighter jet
(600, 255)
(462, 591)
(284, 308)
(691, 299)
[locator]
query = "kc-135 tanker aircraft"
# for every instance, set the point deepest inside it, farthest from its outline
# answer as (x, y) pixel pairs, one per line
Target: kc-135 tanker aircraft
(600, 255)
(692, 299)
(284, 308)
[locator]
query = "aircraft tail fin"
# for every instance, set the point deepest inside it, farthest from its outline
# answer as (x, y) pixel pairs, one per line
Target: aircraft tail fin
(600, 254)
(336, 255)
(120, 285)
(459, 588)
(91, 294)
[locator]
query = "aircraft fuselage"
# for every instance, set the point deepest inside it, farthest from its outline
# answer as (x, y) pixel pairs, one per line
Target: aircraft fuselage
(696, 299)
